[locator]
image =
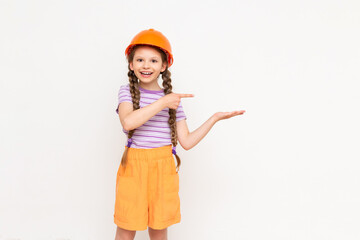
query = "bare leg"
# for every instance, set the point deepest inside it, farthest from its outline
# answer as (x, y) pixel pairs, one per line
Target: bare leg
(158, 234)
(123, 234)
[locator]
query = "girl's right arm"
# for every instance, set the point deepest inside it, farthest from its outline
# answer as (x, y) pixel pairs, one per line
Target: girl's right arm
(131, 119)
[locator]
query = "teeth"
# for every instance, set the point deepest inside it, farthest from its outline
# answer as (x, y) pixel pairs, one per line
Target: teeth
(145, 73)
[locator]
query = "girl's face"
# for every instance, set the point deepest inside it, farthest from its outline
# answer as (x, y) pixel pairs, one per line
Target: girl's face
(147, 64)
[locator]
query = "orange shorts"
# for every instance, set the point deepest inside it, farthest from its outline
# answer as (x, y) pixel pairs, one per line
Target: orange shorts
(147, 190)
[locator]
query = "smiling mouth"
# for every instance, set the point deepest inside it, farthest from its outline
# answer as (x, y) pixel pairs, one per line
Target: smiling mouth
(146, 74)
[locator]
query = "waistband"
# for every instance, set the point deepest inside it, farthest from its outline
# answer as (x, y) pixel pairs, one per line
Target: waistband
(130, 142)
(152, 153)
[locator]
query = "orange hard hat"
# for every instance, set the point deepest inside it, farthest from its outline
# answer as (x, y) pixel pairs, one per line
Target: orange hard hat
(153, 38)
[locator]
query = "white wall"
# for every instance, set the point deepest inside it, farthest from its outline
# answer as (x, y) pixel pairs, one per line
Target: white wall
(287, 169)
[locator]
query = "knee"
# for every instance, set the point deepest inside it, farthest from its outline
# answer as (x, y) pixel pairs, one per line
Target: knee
(158, 234)
(123, 234)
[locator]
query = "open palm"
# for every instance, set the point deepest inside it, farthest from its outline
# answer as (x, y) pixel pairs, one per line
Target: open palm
(225, 115)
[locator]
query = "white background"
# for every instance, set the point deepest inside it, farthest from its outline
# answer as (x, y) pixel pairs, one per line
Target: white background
(286, 169)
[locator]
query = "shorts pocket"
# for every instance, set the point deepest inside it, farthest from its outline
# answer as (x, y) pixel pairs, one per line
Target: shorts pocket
(126, 195)
(126, 187)
(125, 171)
(171, 200)
(171, 183)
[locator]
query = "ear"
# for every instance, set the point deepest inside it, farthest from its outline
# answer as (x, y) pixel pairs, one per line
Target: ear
(131, 66)
(163, 67)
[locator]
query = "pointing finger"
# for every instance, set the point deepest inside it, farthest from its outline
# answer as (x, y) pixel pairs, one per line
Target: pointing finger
(185, 95)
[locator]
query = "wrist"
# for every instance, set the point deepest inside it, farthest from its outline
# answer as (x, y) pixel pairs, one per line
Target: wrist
(214, 119)
(162, 102)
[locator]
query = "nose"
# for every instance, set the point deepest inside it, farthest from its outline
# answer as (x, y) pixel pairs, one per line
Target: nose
(146, 64)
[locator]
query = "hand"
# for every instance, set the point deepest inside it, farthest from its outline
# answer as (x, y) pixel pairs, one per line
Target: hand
(225, 115)
(172, 100)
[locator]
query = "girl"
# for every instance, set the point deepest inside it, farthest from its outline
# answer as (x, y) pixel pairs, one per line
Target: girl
(147, 183)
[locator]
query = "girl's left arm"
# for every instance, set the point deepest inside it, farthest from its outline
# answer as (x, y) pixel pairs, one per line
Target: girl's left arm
(189, 140)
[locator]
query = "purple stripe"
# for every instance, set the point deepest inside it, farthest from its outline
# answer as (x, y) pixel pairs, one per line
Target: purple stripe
(150, 127)
(177, 110)
(157, 94)
(154, 126)
(180, 119)
(167, 109)
(150, 91)
(140, 130)
(167, 117)
(142, 102)
(141, 97)
(145, 142)
(124, 100)
(151, 136)
(124, 93)
(158, 114)
(177, 115)
(157, 121)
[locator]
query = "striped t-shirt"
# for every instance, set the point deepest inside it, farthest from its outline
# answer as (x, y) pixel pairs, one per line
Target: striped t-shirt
(156, 131)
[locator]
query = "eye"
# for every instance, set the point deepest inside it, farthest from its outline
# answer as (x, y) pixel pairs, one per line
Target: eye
(154, 61)
(139, 60)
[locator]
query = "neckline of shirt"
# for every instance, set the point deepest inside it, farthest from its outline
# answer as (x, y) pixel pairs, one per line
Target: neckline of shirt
(151, 91)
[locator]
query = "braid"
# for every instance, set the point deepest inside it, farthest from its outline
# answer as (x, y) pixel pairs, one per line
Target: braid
(166, 76)
(135, 95)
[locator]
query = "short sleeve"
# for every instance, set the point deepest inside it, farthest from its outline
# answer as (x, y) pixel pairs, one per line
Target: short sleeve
(123, 96)
(180, 114)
